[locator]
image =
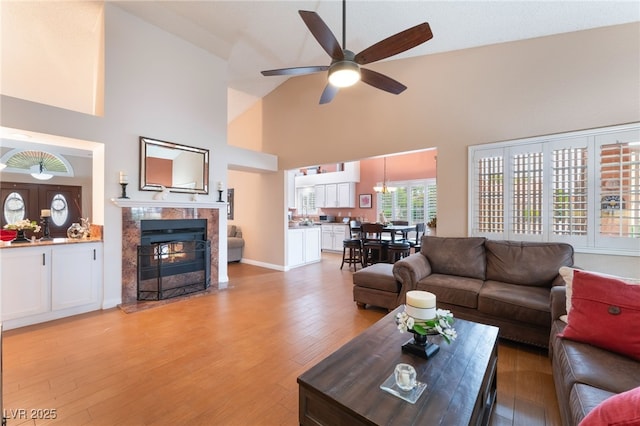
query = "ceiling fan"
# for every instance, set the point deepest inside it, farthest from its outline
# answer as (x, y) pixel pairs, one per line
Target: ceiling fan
(345, 69)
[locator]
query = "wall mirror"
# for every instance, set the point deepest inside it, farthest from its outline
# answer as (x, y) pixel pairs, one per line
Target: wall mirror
(179, 168)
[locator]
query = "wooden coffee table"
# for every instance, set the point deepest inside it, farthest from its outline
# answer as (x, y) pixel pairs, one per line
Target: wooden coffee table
(344, 388)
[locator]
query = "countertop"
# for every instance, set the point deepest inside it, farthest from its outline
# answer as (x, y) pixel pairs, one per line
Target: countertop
(297, 225)
(52, 242)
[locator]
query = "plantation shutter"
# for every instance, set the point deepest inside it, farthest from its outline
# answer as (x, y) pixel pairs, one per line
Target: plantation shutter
(488, 210)
(619, 190)
(418, 201)
(569, 192)
(431, 197)
(526, 192)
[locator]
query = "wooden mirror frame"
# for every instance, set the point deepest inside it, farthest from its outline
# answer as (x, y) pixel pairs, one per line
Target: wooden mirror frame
(155, 170)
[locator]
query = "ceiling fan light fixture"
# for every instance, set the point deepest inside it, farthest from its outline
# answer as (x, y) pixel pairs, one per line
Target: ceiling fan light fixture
(344, 74)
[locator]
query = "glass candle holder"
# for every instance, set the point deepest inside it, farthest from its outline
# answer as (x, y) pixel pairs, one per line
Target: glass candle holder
(405, 376)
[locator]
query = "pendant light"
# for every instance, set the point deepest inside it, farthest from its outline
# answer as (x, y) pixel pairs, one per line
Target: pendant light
(384, 189)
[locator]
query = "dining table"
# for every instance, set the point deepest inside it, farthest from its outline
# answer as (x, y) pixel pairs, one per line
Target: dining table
(393, 230)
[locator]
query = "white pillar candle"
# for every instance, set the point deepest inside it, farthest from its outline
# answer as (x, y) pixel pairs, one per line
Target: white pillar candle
(421, 299)
(220, 186)
(124, 178)
(45, 213)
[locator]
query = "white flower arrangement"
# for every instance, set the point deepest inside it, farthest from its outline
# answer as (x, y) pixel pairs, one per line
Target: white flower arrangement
(24, 224)
(442, 324)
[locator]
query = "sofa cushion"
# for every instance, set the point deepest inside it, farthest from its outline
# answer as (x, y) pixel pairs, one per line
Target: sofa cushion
(583, 399)
(620, 409)
(605, 312)
(527, 304)
(526, 263)
(567, 275)
(231, 230)
(463, 257)
(378, 276)
(583, 363)
(460, 291)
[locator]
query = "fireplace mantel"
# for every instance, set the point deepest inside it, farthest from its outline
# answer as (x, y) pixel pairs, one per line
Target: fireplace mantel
(128, 203)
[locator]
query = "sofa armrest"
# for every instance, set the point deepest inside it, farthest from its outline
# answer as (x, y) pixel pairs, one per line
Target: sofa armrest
(410, 270)
(558, 300)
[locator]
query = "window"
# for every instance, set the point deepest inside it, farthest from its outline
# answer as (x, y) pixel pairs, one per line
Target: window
(306, 200)
(14, 209)
(59, 210)
(582, 188)
(413, 201)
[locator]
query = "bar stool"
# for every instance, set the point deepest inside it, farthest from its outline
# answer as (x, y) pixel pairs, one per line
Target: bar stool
(398, 250)
(352, 253)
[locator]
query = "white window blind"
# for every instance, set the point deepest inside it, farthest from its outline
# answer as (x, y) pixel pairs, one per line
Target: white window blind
(580, 187)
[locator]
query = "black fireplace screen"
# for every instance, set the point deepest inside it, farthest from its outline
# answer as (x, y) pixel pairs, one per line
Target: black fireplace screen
(173, 268)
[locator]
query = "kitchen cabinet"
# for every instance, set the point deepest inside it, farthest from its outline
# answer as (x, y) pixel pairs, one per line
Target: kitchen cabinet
(303, 246)
(42, 283)
(333, 236)
(320, 193)
(336, 195)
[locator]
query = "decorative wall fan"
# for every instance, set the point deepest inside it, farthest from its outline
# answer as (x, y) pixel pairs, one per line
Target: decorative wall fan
(345, 69)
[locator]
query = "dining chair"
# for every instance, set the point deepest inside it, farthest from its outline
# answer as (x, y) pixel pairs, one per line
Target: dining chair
(417, 243)
(374, 247)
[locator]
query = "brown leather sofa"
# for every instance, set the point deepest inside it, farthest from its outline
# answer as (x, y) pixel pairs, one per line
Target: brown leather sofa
(584, 375)
(502, 283)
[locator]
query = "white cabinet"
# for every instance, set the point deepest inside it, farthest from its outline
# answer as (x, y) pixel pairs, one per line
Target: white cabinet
(312, 245)
(303, 246)
(295, 247)
(26, 282)
(333, 236)
(42, 283)
(320, 194)
(346, 195)
(336, 195)
(75, 273)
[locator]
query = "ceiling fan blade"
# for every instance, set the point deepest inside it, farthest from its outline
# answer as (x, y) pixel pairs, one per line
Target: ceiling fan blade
(328, 94)
(381, 81)
(395, 44)
(295, 70)
(322, 33)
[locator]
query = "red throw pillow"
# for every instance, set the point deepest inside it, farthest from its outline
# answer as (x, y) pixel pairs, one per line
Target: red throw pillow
(621, 409)
(605, 312)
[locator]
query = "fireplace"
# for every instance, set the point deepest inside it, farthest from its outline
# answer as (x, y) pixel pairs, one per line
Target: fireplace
(134, 212)
(173, 258)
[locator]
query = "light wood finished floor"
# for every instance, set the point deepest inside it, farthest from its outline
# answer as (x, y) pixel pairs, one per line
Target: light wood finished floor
(227, 358)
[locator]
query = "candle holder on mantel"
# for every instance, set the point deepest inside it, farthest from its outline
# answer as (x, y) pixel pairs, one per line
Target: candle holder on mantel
(45, 229)
(220, 195)
(124, 190)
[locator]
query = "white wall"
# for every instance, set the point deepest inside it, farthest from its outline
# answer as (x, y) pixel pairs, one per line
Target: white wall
(156, 85)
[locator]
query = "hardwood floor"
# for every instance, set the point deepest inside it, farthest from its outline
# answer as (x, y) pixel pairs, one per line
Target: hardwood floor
(226, 358)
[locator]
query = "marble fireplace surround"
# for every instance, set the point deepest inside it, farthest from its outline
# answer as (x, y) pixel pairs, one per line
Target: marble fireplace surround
(135, 211)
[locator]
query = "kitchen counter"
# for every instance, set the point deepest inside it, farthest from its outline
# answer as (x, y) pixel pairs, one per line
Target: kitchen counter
(54, 241)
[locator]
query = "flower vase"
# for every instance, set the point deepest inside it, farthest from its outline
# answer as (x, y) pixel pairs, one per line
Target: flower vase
(20, 237)
(420, 346)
